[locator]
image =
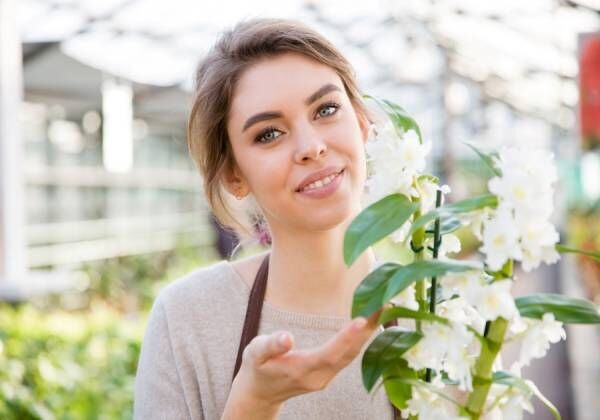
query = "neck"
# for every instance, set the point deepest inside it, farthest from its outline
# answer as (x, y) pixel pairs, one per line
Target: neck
(307, 272)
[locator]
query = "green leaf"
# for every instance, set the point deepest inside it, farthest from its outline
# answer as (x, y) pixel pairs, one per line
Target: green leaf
(428, 177)
(399, 117)
(368, 296)
(565, 249)
(396, 388)
(375, 223)
(402, 312)
(449, 225)
(464, 206)
(508, 379)
(384, 350)
(431, 388)
(390, 279)
(565, 309)
(487, 158)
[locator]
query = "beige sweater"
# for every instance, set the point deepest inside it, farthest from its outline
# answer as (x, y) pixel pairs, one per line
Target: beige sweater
(190, 344)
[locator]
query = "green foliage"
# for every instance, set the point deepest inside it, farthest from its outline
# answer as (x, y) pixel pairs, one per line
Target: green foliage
(448, 210)
(74, 355)
(390, 279)
(384, 350)
(528, 387)
(394, 382)
(130, 283)
(67, 365)
(569, 250)
(376, 222)
(449, 225)
(401, 312)
(398, 116)
(565, 309)
(487, 158)
(383, 358)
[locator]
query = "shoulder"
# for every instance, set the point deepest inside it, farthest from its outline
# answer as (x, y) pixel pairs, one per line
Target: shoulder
(214, 293)
(190, 309)
(204, 284)
(246, 268)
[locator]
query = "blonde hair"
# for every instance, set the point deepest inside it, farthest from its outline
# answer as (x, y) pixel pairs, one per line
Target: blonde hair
(234, 52)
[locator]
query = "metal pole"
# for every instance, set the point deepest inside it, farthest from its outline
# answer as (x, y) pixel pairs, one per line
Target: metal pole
(12, 208)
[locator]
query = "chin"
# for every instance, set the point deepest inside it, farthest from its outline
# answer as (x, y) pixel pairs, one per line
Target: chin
(328, 218)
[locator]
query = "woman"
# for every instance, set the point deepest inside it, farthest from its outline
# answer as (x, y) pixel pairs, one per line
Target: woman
(277, 122)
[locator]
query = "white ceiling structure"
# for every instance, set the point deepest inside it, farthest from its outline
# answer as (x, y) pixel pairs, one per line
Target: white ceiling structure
(520, 53)
(441, 59)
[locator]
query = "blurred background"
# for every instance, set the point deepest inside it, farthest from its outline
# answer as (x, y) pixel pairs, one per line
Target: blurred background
(102, 206)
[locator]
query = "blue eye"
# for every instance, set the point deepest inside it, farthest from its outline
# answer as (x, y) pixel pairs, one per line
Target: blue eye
(267, 135)
(328, 109)
(271, 133)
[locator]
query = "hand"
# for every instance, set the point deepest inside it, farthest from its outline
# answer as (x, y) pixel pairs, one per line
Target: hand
(272, 371)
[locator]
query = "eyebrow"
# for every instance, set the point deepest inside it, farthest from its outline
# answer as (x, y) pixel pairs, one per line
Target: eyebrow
(269, 115)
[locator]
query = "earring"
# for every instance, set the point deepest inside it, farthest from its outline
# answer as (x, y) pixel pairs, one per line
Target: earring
(372, 132)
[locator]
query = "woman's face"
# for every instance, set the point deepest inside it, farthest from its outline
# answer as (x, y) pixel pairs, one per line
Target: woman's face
(291, 117)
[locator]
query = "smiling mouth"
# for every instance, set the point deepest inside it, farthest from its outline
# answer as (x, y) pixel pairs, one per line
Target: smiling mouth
(321, 182)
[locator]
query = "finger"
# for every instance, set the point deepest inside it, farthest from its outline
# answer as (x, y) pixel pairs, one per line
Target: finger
(372, 320)
(266, 347)
(350, 340)
(346, 344)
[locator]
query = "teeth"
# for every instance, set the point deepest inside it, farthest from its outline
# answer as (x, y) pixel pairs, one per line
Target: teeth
(320, 183)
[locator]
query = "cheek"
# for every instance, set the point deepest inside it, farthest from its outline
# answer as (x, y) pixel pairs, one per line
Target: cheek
(360, 166)
(350, 142)
(267, 172)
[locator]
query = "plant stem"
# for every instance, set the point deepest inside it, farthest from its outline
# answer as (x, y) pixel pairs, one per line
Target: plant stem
(482, 380)
(437, 241)
(417, 240)
(494, 338)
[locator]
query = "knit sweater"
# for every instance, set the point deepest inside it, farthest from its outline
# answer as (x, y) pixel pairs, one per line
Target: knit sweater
(190, 345)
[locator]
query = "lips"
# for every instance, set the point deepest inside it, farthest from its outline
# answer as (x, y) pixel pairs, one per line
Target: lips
(315, 176)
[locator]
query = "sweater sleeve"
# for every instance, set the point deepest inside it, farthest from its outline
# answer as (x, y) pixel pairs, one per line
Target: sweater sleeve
(158, 390)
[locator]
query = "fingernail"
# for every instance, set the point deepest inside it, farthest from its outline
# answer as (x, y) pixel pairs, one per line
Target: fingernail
(359, 323)
(283, 339)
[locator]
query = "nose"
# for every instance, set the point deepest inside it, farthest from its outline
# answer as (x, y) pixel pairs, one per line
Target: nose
(309, 145)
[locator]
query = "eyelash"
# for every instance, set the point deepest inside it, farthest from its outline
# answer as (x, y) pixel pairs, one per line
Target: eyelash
(271, 128)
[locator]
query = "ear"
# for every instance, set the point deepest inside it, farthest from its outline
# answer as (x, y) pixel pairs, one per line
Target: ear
(234, 181)
(364, 123)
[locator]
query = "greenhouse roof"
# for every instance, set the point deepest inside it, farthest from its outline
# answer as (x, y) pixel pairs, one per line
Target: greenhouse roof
(523, 54)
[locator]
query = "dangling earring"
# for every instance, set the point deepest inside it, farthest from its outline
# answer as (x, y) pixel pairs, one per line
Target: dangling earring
(372, 133)
(239, 195)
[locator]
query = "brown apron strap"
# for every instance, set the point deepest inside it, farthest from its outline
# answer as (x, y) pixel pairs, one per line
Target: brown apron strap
(253, 312)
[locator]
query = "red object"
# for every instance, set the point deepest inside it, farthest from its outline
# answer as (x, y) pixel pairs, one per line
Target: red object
(589, 84)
